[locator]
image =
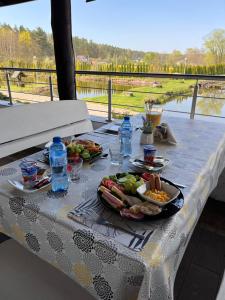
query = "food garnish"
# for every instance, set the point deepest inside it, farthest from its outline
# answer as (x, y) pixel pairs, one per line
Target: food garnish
(83, 148)
(110, 183)
(125, 212)
(155, 192)
(118, 190)
(131, 183)
(112, 200)
(157, 195)
(132, 200)
(146, 208)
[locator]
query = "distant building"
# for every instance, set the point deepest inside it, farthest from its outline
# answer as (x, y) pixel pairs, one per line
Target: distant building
(83, 58)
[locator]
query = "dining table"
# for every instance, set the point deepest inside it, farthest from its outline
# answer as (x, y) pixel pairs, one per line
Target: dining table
(107, 261)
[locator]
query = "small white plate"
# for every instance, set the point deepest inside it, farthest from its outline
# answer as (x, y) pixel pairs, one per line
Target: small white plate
(166, 187)
(20, 186)
(161, 160)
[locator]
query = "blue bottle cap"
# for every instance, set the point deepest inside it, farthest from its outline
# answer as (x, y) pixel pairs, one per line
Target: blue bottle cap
(150, 148)
(57, 139)
(127, 118)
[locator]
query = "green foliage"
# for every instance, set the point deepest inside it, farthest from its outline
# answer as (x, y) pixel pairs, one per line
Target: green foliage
(171, 88)
(22, 47)
(215, 45)
(44, 42)
(105, 52)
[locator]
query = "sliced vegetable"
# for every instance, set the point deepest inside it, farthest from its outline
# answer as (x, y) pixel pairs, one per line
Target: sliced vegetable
(146, 176)
(110, 183)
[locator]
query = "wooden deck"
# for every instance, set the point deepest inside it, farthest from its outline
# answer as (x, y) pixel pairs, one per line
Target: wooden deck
(203, 264)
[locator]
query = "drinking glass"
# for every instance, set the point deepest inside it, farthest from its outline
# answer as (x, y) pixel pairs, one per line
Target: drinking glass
(74, 167)
(116, 156)
(29, 172)
(153, 113)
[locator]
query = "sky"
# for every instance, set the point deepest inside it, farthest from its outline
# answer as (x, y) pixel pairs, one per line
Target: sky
(149, 25)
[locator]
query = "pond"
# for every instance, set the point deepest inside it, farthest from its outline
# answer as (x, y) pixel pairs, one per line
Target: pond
(206, 106)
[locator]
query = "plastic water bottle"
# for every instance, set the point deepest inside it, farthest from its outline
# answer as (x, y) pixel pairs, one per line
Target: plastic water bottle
(58, 164)
(125, 137)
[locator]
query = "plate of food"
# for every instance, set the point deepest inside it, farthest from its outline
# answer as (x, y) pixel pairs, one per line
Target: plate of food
(86, 149)
(158, 164)
(39, 185)
(32, 179)
(158, 191)
(120, 193)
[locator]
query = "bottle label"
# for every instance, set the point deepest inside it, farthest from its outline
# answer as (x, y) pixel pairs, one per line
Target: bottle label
(59, 161)
(57, 170)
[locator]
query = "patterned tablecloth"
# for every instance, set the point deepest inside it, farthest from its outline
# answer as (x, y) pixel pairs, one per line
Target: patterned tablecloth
(101, 263)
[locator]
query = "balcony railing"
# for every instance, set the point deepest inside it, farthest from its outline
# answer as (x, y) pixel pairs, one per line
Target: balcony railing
(46, 79)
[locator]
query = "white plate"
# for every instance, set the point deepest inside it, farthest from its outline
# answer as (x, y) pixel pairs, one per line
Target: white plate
(166, 187)
(20, 186)
(139, 165)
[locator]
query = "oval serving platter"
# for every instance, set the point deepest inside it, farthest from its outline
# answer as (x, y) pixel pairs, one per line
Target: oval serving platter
(167, 211)
(94, 155)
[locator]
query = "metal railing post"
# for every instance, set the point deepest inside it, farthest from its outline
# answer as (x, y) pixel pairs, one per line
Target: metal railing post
(194, 101)
(51, 88)
(109, 100)
(9, 89)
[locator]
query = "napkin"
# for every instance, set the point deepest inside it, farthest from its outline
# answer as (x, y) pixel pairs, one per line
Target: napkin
(163, 133)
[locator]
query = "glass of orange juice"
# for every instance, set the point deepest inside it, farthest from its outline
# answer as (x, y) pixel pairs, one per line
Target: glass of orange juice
(153, 112)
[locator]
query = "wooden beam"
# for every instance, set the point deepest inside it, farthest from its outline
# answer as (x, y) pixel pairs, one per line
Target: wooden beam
(12, 2)
(63, 45)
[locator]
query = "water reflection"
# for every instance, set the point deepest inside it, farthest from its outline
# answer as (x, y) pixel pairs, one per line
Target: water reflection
(209, 106)
(206, 106)
(99, 88)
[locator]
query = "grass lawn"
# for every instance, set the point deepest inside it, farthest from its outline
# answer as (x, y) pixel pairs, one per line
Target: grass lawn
(170, 90)
(28, 88)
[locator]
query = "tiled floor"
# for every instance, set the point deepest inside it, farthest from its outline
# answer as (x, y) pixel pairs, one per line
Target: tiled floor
(203, 264)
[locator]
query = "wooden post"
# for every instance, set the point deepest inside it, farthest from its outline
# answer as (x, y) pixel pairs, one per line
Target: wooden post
(194, 101)
(63, 45)
(51, 90)
(9, 88)
(109, 100)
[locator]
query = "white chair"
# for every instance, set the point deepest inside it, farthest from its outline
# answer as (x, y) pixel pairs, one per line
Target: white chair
(25, 126)
(24, 276)
(221, 293)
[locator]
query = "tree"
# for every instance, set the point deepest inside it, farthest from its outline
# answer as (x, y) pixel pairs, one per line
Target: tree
(194, 56)
(42, 40)
(215, 45)
(175, 57)
(151, 58)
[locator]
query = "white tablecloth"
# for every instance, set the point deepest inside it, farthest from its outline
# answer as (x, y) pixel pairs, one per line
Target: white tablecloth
(102, 265)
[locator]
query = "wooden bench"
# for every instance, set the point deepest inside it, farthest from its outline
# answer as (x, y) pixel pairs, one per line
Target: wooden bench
(26, 126)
